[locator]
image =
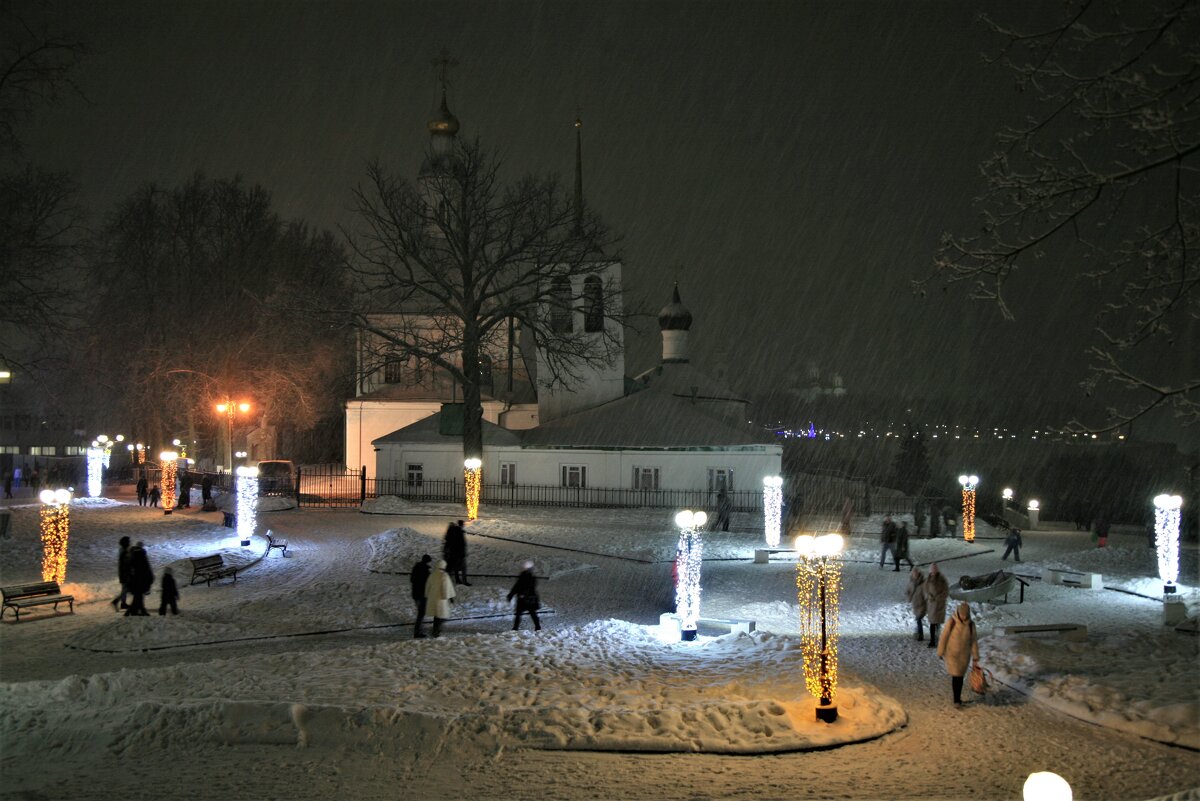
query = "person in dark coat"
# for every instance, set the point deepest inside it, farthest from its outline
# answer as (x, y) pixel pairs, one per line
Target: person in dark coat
(185, 490)
(206, 489)
(887, 538)
(525, 591)
(419, 578)
(170, 593)
(143, 491)
(141, 579)
(847, 517)
(454, 551)
(7, 485)
(1102, 528)
(935, 521)
(1013, 543)
(901, 554)
(122, 573)
(724, 511)
(155, 495)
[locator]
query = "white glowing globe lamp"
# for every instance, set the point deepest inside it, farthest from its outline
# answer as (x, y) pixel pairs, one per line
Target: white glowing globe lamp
(829, 544)
(806, 545)
(62, 496)
(168, 456)
(120, 437)
(1008, 493)
(1046, 786)
(1168, 502)
(699, 519)
(1034, 506)
(973, 480)
(47, 497)
(963, 480)
(472, 464)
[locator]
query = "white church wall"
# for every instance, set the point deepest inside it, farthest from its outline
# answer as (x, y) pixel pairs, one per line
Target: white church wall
(367, 421)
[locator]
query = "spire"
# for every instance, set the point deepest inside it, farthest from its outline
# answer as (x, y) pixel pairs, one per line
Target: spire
(578, 175)
(674, 320)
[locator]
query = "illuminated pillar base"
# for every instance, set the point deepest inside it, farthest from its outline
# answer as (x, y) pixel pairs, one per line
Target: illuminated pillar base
(687, 635)
(166, 511)
(827, 712)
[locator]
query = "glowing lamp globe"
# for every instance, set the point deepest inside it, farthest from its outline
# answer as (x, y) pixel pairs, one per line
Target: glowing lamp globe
(806, 545)
(1034, 505)
(472, 464)
(62, 496)
(1008, 494)
(120, 437)
(1046, 786)
(829, 544)
(168, 456)
(962, 480)
(47, 496)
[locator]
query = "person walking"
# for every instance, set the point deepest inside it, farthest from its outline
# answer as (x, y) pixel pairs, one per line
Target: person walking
(185, 490)
(887, 538)
(847, 517)
(915, 593)
(17, 477)
(122, 573)
(170, 593)
(1013, 545)
(958, 647)
(419, 578)
(206, 490)
(937, 590)
(7, 484)
(155, 495)
(141, 579)
(454, 551)
(724, 511)
(902, 547)
(143, 491)
(525, 591)
(439, 594)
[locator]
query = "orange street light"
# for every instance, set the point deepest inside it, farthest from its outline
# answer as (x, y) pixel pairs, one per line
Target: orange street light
(228, 408)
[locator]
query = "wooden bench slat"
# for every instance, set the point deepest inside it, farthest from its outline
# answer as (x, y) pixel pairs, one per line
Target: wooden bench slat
(19, 596)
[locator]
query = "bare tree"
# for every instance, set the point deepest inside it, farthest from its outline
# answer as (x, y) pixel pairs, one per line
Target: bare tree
(1102, 175)
(446, 268)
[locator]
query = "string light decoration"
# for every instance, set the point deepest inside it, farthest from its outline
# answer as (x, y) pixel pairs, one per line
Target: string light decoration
(687, 565)
(818, 587)
(969, 483)
(56, 528)
(472, 480)
(168, 461)
(1166, 539)
(772, 509)
(141, 453)
(247, 503)
(95, 466)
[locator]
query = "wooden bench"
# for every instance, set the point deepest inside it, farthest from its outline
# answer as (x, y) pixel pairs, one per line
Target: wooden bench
(1066, 631)
(208, 568)
(762, 556)
(1073, 578)
(23, 595)
(275, 542)
(733, 624)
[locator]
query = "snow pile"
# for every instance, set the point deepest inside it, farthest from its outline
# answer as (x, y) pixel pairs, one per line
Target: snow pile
(397, 550)
(395, 505)
(609, 685)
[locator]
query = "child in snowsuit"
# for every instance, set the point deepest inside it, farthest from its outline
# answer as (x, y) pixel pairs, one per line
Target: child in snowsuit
(170, 593)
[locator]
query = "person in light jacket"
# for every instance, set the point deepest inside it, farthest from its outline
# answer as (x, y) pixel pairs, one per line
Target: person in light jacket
(915, 593)
(439, 594)
(958, 647)
(937, 590)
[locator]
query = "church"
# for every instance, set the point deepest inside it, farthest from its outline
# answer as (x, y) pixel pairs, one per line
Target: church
(670, 428)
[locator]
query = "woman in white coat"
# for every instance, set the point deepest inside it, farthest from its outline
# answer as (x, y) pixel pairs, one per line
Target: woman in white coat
(957, 646)
(439, 594)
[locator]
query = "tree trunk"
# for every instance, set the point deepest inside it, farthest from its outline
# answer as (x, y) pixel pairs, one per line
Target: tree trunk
(472, 401)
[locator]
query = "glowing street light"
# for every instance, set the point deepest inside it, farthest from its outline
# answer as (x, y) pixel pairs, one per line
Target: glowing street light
(818, 584)
(772, 509)
(1046, 786)
(247, 503)
(1166, 539)
(228, 408)
(1033, 509)
(689, 560)
(55, 529)
(168, 461)
(969, 483)
(472, 483)
(1007, 494)
(95, 466)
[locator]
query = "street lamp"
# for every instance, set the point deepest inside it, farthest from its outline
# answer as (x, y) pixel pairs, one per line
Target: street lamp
(472, 479)
(687, 590)
(772, 509)
(1046, 786)
(247, 503)
(968, 509)
(228, 408)
(1034, 508)
(1166, 539)
(55, 528)
(818, 583)
(169, 462)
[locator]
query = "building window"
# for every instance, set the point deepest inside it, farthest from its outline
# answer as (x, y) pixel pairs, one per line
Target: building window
(414, 474)
(74, 450)
(645, 478)
(42, 450)
(574, 475)
(560, 306)
(720, 478)
(508, 473)
(393, 371)
(593, 304)
(10, 449)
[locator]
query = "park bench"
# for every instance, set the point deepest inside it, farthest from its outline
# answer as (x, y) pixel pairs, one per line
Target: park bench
(1066, 631)
(762, 556)
(733, 624)
(21, 596)
(1073, 578)
(208, 568)
(276, 542)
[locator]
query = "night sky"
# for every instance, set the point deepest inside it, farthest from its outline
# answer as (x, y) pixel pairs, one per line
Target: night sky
(791, 164)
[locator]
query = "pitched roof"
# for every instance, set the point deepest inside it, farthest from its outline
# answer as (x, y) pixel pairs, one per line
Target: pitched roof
(427, 431)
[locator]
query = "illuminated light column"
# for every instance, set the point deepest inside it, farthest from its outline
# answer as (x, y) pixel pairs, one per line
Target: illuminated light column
(95, 466)
(818, 585)
(1166, 539)
(772, 509)
(168, 461)
(56, 524)
(968, 510)
(1007, 496)
(472, 481)
(105, 445)
(247, 503)
(1046, 786)
(1033, 510)
(688, 561)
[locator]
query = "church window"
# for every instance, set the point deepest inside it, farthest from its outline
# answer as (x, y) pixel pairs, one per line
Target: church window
(508, 473)
(393, 371)
(574, 475)
(560, 306)
(645, 478)
(593, 304)
(414, 474)
(720, 478)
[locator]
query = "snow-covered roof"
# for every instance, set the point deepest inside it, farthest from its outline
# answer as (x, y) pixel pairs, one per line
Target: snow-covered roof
(427, 431)
(685, 380)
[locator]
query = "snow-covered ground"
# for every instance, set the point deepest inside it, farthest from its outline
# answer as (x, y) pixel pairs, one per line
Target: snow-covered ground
(301, 679)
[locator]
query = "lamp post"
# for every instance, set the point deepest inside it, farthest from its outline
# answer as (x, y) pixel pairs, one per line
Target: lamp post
(1033, 509)
(95, 466)
(472, 484)
(228, 408)
(818, 584)
(55, 528)
(247, 503)
(1166, 539)
(687, 590)
(772, 509)
(968, 505)
(169, 462)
